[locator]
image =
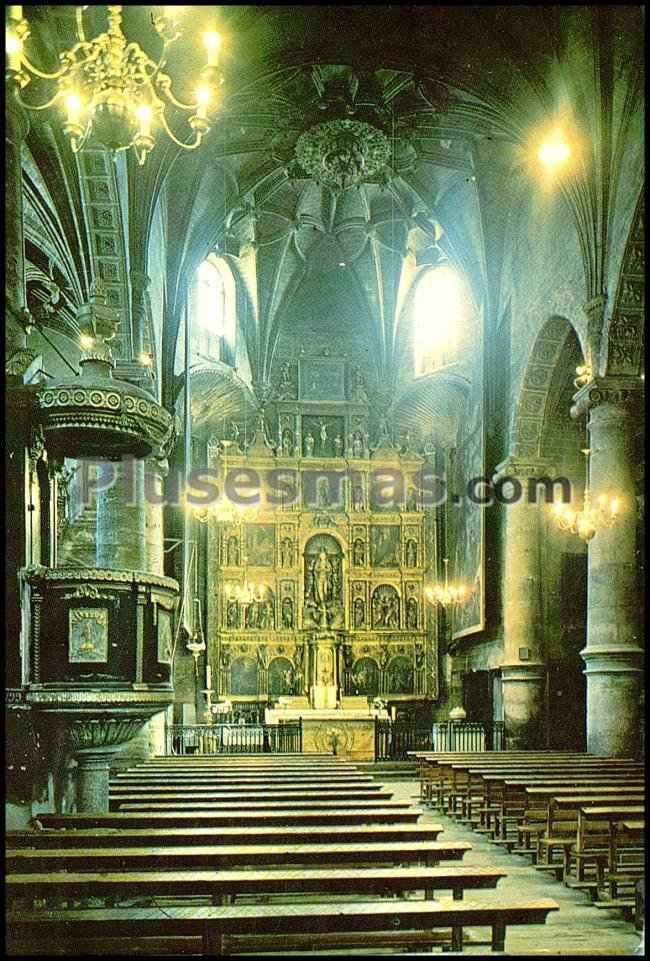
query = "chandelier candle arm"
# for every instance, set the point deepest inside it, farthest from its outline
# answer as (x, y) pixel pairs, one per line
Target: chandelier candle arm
(112, 88)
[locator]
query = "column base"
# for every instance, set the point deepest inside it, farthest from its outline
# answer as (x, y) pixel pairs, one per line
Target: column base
(614, 687)
(92, 779)
(523, 687)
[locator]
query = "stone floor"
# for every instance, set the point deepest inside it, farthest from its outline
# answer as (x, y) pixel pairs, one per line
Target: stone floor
(577, 928)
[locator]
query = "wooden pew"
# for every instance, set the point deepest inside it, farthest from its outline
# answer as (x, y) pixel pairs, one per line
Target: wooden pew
(233, 798)
(625, 837)
(320, 834)
(216, 924)
(393, 814)
(540, 792)
(213, 857)
(222, 887)
(594, 825)
(268, 806)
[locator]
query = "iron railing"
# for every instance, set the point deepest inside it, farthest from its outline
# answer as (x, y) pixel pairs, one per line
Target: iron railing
(468, 736)
(283, 738)
(393, 740)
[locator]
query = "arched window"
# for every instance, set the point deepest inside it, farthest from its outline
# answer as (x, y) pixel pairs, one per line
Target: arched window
(439, 310)
(212, 305)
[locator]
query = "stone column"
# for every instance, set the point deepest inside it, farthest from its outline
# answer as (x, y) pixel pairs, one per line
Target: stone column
(16, 129)
(613, 653)
(121, 519)
(156, 471)
(523, 672)
(139, 284)
(92, 780)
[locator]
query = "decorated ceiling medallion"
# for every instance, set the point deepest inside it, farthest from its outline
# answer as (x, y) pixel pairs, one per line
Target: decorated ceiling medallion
(343, 153)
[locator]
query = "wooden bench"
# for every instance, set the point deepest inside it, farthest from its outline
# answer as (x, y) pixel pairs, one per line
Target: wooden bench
(214, 925)
(224, 886)
(321, 834)
(338, 804)
(593, 832)
(21, 860)
(393, 812)
(232, 799)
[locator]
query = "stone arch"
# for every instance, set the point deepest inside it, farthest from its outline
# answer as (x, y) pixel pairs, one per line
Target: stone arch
(624, 334)
(281, 677)
(244, 678)
(551, 364)
(364, 677)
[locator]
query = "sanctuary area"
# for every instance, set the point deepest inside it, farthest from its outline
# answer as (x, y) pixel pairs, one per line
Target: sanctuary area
(324, 376)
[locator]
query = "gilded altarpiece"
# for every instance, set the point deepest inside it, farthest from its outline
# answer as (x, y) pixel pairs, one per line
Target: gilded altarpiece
(321, 559)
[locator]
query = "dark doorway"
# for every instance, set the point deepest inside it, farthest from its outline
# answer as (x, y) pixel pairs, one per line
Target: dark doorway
(567, 688)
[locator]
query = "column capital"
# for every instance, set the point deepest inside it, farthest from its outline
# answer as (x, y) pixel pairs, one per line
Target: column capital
(514, 466)
(623, 392)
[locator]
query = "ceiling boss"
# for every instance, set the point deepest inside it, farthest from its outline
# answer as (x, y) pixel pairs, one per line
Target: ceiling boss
(111, 89)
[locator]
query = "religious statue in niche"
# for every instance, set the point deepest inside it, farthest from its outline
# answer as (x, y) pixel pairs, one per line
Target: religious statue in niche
(384, 656)
(286, 552)
(385, 546)
(359, 613)
(287, 443)
(232, 615)
(384, 439)
(385, 607)
(286, 389)
(287, 613)
(358, 447)
(359, 553)
(358, 392)
(337, 444)
(411, 553)
(309, 444)
(412, 614)
(234, 437)
(323, 580)
(260, 613)
(262, 654)
(358, 496)
(232, 551)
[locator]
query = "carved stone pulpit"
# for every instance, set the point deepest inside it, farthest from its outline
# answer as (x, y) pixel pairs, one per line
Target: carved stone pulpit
(323, 670)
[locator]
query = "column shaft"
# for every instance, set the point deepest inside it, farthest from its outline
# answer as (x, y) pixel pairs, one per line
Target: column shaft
(121, 519)
(612, 655)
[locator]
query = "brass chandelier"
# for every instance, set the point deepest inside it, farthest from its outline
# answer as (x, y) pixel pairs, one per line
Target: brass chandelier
(111, 88)
(446, 594)
(586, 521)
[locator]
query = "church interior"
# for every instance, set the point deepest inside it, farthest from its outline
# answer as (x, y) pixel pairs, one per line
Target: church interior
(324, 511)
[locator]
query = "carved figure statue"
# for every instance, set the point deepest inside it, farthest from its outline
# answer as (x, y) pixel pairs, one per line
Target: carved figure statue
(287, 443)
(323, 494)
(384, 656)
(392, 612)
(309, 445)
(359, 613)
(384, 433)
(286, 552)
(338, 445)
(287, 613)
(359, 553)
(252, 615)
(233, 551)
(412, 499)
(420, 656)
(358, 499)
(412, 613)
(232, 614)
(357, 445)
(225, 658)
(411, 553)
(322, 571)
